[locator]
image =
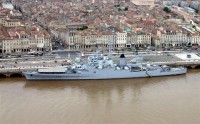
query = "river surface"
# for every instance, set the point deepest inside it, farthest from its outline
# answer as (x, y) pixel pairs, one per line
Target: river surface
(160, 100)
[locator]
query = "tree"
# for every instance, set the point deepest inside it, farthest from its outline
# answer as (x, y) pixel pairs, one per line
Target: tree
(119, 9)
(117, 5)
(126, 9)
(83, 28)
(20, 9)
(167, 10)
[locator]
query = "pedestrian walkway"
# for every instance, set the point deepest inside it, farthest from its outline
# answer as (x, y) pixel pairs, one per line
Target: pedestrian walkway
(188, 56)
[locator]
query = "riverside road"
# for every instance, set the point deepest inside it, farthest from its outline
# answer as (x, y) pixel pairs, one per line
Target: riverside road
(60, 58)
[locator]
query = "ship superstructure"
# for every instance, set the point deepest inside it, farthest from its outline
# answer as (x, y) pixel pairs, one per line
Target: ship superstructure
(103, 68)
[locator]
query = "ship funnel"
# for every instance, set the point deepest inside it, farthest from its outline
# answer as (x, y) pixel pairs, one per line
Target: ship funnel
(122, 60)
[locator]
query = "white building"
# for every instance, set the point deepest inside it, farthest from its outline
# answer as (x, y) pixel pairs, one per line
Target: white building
(189, 10)
(121, 39)
(8, 6)
(143, 2)
(194, 5)
(184, 4)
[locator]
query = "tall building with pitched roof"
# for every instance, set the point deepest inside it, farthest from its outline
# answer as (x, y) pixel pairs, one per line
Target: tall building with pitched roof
(143, 2)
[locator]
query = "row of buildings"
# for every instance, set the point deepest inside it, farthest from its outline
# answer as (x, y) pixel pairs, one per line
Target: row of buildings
(25, 39)
(138, 27)
(189, 6)
(17, 35)
(143, 2)
(161, 38)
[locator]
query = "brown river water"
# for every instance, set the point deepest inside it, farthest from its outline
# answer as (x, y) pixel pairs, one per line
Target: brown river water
(159, 100)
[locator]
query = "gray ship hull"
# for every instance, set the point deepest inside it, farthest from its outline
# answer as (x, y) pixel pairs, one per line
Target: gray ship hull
(108, 73)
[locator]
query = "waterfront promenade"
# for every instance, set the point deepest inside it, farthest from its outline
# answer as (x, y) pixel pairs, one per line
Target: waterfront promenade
(9, 67)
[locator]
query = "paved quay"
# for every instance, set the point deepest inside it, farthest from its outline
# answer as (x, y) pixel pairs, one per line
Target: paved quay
(16, 66)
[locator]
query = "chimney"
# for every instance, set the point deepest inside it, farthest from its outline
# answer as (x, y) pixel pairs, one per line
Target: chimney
(38, 29)
(122, 61)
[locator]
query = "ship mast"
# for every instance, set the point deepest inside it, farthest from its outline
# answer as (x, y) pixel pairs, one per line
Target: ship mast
(110, 44)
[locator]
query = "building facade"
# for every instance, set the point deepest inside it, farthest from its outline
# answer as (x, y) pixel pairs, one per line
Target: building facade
(19, 43)
(143, 2)
(176, 39)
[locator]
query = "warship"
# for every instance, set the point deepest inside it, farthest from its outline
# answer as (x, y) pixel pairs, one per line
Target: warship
(98, 67)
